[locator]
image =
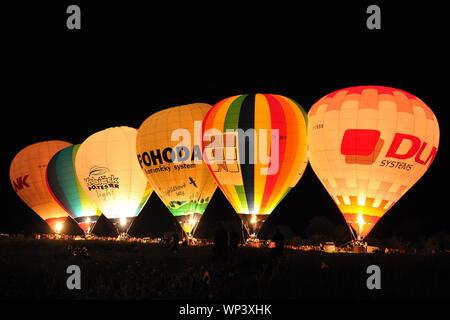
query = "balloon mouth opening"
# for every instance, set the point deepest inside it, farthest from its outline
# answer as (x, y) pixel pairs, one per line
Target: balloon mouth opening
(360, 224)
(57, 224)
(189, 222)
(87, 223)
(252, 223)
(122, 224)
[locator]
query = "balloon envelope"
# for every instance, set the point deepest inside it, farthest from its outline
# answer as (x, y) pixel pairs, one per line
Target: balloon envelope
(175, 167)
(28, 178)
(66, 189)
(109, 173)
(255, 147)
(369, 145)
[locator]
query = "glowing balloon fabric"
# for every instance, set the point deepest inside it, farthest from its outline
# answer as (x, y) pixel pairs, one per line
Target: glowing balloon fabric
(64, 184)
(28, 178)
(110, 175)
(255, 147)
(368, 145)
(175, 167)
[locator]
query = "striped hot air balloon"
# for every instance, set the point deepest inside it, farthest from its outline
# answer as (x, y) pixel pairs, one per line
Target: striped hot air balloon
(368, 145)
(63, 183)
(255, 147)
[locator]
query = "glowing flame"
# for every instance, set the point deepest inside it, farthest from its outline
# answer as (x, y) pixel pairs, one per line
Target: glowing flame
(192, 220)
(123, 221)
(58, 227)
(361, 222)
(191, 223)
(253, 220)
(87, 221)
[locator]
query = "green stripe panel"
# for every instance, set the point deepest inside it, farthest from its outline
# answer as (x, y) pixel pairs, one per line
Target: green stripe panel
(84, 198)
(147, 193)
(242, 198)
(187, 208)
(232, 122)
(232, 116)
(66, 178)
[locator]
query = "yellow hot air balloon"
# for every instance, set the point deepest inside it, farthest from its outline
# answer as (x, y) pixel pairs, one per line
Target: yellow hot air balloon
(368, 145)
(168, 148)
(255, 147)
(109, 173)
(29, 180)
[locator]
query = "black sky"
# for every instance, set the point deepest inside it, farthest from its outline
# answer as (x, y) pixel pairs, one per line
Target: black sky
(129, 61)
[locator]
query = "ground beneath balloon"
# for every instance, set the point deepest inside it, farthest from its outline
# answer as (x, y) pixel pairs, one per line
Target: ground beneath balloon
(37, 269)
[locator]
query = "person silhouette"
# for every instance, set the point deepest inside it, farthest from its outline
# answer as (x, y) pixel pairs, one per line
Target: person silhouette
(278, 238)
(220, 242)
(175, 243)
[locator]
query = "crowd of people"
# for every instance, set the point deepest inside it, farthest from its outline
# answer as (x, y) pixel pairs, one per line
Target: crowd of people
(177, 268)
(124, 270)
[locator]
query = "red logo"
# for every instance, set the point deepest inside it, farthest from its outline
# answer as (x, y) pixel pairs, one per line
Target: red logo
(416, 149)
(363, 146)
(20, 183)
(359, 142)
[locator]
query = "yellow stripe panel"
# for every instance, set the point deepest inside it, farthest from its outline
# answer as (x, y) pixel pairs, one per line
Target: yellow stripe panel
(262, 121)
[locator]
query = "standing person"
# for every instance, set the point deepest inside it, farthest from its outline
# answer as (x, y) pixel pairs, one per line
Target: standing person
(234, 240)
(278, 238)
(175, 243)
(220, 242)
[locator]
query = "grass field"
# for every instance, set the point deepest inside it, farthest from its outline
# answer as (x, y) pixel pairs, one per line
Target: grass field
(36, 269)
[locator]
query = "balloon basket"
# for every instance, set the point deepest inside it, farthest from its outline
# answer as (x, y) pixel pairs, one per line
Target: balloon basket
(357, 246)
(189, 239)
(123, 237)
(252, 241)
(359, 250)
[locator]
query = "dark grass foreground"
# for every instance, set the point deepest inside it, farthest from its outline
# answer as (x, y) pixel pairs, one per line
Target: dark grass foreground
(36, 269)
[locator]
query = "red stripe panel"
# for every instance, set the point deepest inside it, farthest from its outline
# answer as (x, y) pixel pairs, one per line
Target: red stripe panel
(278, 121)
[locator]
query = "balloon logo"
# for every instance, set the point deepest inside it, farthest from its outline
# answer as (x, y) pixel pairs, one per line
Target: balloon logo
(255, 147)
(67, 191)
(28, 178)
(168, 147)
(368, 145)
(109, 173)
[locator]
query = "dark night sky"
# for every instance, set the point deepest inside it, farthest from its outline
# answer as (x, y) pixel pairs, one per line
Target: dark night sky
(129, 61)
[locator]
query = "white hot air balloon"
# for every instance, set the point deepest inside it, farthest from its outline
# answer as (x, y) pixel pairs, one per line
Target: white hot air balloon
(109, 173)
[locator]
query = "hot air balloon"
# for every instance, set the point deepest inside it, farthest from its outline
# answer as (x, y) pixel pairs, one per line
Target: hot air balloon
(255, 147)
(368, 145)
(169, 152)
(109, 173)
(67, 191)
(28, 178)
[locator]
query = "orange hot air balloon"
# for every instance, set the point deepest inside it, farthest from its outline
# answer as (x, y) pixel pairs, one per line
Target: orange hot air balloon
(255, 147)
(368, 145)
(29, 180)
